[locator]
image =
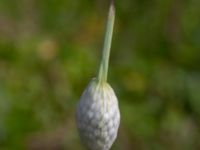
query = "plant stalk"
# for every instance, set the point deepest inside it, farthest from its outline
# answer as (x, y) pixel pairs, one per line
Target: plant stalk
(103, 70)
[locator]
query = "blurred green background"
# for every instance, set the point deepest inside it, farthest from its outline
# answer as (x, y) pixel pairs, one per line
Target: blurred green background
(50, 49)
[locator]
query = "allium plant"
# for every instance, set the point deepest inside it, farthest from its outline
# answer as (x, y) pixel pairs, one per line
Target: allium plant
(97, 113)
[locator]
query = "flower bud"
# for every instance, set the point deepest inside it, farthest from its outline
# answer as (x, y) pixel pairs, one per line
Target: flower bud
(98, 116)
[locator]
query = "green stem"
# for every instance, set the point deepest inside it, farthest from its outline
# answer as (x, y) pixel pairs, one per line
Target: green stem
(103, 70)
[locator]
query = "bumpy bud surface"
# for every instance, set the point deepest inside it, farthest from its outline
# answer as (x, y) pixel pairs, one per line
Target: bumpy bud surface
(98, 116)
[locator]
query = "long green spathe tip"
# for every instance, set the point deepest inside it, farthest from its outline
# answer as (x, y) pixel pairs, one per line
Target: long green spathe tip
(103, 70)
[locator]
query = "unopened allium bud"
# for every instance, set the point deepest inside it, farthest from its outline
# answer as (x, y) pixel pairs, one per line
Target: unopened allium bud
(98, 115)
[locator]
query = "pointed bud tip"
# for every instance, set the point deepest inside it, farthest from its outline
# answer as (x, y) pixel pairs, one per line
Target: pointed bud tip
(112, 6)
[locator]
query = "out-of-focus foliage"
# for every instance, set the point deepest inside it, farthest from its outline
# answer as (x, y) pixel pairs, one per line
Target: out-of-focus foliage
(50, 49)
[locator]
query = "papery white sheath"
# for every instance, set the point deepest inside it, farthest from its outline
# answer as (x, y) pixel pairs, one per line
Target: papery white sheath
(97, 113)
